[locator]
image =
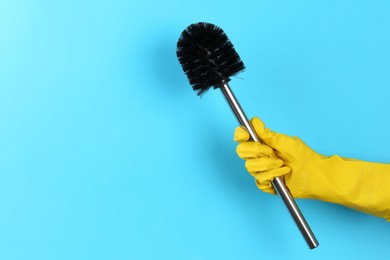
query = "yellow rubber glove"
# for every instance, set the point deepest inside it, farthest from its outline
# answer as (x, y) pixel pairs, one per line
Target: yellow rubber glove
(360, 185)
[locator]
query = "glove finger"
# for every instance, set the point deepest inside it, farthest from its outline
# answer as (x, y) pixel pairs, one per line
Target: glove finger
(266, 187)
(241, 134)
(262, 164)
(264, 179)
(267, 176)
(251, 150)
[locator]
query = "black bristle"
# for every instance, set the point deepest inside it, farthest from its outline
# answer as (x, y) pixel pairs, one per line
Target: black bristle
(207, 56)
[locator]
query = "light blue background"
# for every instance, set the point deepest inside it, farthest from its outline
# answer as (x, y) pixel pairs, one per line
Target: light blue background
(107, 153)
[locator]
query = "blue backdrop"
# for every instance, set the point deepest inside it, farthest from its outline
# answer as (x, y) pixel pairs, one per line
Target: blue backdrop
(107, 153)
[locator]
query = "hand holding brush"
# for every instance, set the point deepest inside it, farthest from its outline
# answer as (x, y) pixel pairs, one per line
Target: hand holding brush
(359, 185)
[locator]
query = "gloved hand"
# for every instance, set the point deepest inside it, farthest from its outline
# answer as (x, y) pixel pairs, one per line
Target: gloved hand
(363, 186)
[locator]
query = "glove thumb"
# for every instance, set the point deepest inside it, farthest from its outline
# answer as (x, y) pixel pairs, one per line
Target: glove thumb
(269, 137)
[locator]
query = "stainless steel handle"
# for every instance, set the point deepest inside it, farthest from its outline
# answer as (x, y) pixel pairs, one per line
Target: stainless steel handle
(277, 182)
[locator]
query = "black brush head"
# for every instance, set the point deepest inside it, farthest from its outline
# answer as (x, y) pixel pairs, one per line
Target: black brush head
(207, 56)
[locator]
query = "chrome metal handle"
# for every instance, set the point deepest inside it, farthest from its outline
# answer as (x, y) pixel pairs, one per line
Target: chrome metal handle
(278, 182)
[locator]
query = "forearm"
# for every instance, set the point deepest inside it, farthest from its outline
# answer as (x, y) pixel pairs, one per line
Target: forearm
(364, 186)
